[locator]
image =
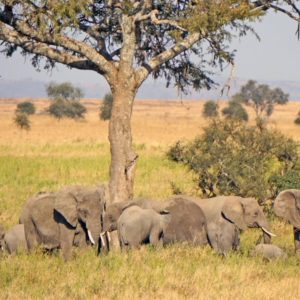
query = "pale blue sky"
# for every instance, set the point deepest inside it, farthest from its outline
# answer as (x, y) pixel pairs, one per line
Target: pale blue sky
(275, 57)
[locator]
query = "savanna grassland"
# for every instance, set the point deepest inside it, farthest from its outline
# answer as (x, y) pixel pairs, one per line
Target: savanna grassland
(56, 153)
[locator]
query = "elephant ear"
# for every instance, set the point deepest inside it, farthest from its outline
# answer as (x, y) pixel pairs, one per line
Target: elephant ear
(234, 212)
(287, 206)
(66, 204)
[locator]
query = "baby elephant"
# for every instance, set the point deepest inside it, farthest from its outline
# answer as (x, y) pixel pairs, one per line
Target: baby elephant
(138, 226)
(14, 239)
(269, 251)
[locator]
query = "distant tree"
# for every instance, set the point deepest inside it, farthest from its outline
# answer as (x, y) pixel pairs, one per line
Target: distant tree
(297, 121)
(63, 90)
(260, 97)
(210, 109)
(26, 107)
(65, 101)
(22, 121)
(105, 108)
(235, 110)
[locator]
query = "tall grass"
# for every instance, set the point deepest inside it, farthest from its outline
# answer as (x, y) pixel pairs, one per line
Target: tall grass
(56, 154)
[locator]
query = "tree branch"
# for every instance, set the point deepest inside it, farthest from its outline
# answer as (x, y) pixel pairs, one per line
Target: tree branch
(14, 37)
(23, 29)
(178, 48)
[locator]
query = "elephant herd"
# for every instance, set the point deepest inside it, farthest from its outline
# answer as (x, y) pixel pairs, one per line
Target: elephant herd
(81, 216)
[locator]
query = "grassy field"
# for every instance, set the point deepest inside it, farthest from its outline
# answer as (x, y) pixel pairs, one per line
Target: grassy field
(56, 153)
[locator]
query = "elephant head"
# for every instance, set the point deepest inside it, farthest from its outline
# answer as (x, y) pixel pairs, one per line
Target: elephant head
(82, 207)
(112, 214)
(287, 206)
(246, 213)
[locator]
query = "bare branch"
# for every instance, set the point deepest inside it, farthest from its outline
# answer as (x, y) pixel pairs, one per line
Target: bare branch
(14, 37)
(152, 16)
(60, 40)
(178, 48)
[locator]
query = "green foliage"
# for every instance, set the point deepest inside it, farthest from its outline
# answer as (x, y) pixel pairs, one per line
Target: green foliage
(235, 110)
(105, 108)
(260, 97)
(22, 121)
(65, 101)
(232, 158)
(210, 109)
(297, 121)
(26, 107)
(289, 180)
(63, 90)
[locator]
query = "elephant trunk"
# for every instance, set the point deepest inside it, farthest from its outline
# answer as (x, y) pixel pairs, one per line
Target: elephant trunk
(267, 234)
(104, 242)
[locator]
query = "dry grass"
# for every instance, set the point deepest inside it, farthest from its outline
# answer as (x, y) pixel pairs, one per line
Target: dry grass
(154, 122)
(53, 154)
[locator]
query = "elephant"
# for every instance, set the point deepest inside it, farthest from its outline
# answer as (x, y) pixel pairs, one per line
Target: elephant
(226, 215)
(69, 217)
(14, 239)
(137, 226)
(287, 206)
(268, 251)
(2, 234)
(187, 224)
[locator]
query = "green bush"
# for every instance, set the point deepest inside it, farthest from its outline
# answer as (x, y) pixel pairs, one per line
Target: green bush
(297, 121)
(65, 101)
(22, 121)
(61, 108)
(26, 107)
(289, 180)
(105, 108)
(210, 109)
(235, 110)
(233, 158)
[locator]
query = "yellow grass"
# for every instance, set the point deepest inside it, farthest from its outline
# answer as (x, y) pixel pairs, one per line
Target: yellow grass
(154, 122)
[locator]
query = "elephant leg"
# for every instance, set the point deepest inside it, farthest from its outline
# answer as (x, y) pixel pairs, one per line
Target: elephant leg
(228, 237)
(66, 240)
(297, 242)
(154, 238)
(31, 234)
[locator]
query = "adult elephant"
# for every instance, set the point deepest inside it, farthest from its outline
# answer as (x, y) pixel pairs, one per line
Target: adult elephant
(187, 222)
(287, 206)
(69, 217)
(226, 215)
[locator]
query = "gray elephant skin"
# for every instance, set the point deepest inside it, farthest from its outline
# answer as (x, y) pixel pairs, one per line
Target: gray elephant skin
(268, 252)
(14, 239)
(226, 215)
(2, 234)
(69, 217)
(187, 222)
(137, 226)
(287, 206)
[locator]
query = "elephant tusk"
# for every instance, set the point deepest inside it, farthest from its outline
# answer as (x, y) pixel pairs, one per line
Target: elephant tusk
(108, 236)
(267, 232)
(102, 239)
(91, 238)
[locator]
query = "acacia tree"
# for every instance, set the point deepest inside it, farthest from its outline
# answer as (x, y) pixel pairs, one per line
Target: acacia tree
(125, 42)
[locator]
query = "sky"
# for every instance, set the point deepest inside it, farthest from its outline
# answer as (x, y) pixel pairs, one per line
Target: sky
(275, 57)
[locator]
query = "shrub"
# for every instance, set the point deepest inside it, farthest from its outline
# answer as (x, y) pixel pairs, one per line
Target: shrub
(105, 108)
(235, 110)
(233, 158)
(297, 121)
(22, 121)
(26, 107)
(289, 180)
(210, 109)
(65, 101)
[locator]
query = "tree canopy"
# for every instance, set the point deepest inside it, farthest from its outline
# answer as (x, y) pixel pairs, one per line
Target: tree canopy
(260, 97)
(126, 41)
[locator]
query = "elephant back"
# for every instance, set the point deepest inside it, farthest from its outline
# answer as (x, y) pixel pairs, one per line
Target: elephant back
(187, 224)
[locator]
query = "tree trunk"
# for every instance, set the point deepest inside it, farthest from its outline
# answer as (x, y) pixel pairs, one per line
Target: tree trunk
(123, 158)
